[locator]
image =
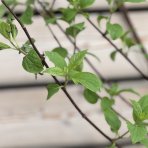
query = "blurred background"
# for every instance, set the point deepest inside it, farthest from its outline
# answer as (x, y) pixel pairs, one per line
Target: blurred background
(28, 120)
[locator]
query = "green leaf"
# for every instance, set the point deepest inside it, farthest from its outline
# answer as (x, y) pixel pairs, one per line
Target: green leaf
(144, 102)
(100, 18)
(4, 46)
(128, 41)
(2, 10)
(90, 96)
(74, 30)
(144, 105)
(14, 30)
(5, 30)
(114, 30)
(26, 18)
(86, 3)
(144, 142)
(138, 132)
(56, 59)
(110, 116)
(52, 89)
(27, 46)
(113, 55)
(112, 91)
(61, 51)
(107, 103)
(88, 80)
(50, 20)
(77, 59)
(112, 119)
(55, 71)
(69, 14)
(137, 110)
(32, 62)
(140, 109)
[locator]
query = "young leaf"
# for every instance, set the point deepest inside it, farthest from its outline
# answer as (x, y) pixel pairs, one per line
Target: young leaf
(110, 116)
(113, 55)
(69, 14)
(88, 80)
(86, 3)
(5, 30)
(14, 30)
(107, 103)
(112, 119)
(52, 89)
(138, 132)
(90, 96)
(114, 30)
(50, 20)
(26, 47)
(77, 59)
(100, 18)
(4, 46)
(137, 111)
(57, 60)
(61, 51)
(144, 142)
(113, 90)
(144, 105)
(26, 18)
(32, 62)
(74, 30)
(55, 71)
(2, 10)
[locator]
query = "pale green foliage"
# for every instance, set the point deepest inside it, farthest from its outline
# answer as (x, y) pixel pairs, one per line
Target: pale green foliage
(52, 89)
(32, 62)
(91, 96)
(110, 116)
(70, 66)
(138, 132)
(26, 18)
(88, 80)
(74, 30)
(4, 46)
(56, 59)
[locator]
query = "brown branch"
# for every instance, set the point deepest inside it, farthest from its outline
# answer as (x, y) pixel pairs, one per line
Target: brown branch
(118, 50)
(56, 80)
(124, 12)
(120, 137)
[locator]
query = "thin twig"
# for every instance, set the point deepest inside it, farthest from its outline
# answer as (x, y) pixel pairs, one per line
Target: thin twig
(120, 137)
(52, 5)
(118, 50)
(56, 39)
(124, 12)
